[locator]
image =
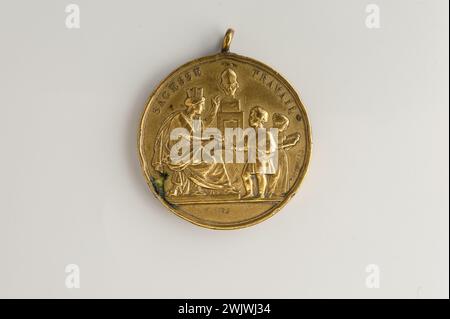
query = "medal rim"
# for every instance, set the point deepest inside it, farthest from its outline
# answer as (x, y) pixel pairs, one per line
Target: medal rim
(270, 212)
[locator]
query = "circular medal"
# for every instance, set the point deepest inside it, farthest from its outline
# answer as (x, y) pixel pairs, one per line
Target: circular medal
(224, 141)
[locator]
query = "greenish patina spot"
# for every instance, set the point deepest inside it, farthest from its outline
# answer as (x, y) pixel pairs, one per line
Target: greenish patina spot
(158, 183)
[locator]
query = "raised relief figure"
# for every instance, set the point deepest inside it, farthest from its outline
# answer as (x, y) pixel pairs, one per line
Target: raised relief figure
(190, 176)
(279, 182)
(261, 177)
(255, 173)
(229, 84)
(230, 113)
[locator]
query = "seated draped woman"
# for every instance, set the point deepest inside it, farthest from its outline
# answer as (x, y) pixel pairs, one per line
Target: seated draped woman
(190, 176)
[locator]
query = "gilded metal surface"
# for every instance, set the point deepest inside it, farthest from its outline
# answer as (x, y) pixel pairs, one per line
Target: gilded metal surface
(224, 90)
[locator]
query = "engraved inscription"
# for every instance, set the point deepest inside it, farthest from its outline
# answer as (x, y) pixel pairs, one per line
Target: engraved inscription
(276, 87)
(174, 85)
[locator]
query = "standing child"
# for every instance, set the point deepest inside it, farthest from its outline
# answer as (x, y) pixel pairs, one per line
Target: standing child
(263, 164)
(279, 182)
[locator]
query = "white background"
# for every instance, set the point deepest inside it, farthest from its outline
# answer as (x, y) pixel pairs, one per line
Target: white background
(71, 186)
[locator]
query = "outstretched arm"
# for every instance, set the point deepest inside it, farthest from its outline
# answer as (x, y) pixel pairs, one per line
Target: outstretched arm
(290, 143)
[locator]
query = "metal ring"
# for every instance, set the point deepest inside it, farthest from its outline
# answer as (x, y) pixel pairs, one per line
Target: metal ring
(227, 40)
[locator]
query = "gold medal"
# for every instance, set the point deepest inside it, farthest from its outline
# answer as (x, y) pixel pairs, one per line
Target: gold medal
(224, 141)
